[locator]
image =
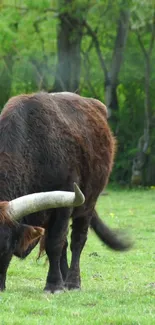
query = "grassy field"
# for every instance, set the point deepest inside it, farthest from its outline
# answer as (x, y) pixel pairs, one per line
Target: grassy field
(117, 288)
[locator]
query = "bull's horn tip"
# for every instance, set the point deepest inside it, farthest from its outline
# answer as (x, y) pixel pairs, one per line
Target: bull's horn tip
(79, 197)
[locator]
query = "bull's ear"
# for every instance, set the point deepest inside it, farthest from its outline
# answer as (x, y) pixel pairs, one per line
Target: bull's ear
(28, 235)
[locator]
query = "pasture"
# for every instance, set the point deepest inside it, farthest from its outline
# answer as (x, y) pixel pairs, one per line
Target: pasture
(117, 288)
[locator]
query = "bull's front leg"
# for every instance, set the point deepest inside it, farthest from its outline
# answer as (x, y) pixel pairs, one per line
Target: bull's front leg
(54, 243)
(7, 244)
(63, 261)
(2, 281)
(4, 263)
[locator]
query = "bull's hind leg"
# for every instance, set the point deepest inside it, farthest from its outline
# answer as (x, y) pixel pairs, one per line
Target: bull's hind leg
(54, 243)
(78, 239)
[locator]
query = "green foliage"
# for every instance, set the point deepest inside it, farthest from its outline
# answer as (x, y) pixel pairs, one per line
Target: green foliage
(25, 33)
(28, 58)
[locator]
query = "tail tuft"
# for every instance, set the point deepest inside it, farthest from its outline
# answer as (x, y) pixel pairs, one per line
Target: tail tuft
(116, 240)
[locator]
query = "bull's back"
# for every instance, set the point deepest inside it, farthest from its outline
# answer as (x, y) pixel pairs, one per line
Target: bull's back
(61, 134)
(86, 121)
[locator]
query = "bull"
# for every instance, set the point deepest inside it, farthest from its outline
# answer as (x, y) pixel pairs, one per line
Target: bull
(52, 145)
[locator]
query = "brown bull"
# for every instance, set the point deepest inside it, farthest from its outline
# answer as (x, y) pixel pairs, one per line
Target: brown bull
(48, 142)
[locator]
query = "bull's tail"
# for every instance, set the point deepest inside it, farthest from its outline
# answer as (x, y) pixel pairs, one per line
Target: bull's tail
(111, 238)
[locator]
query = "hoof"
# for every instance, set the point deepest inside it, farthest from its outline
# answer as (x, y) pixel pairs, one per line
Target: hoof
(50, 288)
(2, 289)
(72, 286)
(57, 292)
(74, 289)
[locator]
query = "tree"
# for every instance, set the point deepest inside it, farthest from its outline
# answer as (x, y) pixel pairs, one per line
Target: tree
(111, 74)
(144, 144)
(97, 48)
(69, 37)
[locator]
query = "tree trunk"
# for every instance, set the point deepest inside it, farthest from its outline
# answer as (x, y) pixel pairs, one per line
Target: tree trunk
(111, 79)
(111, 75)
(6, 78)
(142, 159)
(69, 51)
(111, 101)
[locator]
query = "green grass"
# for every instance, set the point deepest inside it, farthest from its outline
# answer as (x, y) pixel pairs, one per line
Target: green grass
(117, 288)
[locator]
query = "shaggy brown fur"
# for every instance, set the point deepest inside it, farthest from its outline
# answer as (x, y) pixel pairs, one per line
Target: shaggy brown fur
(4, 217)
(48, 142)
(29, 236)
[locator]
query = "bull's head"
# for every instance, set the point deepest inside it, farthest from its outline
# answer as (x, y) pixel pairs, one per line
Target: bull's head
(17, 236)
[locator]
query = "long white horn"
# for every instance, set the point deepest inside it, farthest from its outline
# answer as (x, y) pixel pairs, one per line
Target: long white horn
(35, 202)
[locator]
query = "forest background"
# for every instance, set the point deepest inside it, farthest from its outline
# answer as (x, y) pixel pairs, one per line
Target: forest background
(103, 49)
